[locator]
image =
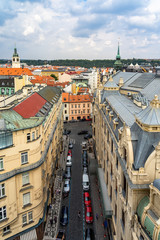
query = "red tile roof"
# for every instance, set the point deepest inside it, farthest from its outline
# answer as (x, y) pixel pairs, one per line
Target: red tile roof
(15, 71)
(30, 106)
(67, 97)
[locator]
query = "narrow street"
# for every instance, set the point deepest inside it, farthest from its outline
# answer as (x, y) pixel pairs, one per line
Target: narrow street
(76, 227)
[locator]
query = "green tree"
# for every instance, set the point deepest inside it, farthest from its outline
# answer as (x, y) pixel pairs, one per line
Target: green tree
(54, 76)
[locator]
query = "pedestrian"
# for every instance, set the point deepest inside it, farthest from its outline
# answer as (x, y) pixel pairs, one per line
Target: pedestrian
(55, 219)
(97, 216)
(51, 221)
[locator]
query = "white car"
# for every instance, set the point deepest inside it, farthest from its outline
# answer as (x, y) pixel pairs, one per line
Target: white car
(69, 163)
(66, 187)
(70, 146)
(69, 158)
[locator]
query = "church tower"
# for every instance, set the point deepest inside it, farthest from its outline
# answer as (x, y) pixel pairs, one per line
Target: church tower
(118, 64)
(15, 59)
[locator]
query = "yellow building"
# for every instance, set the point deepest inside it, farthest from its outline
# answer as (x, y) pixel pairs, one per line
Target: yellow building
(56, 72)
(30, 146)
(126, 132)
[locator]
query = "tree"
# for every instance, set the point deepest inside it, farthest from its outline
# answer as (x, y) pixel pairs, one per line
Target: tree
(54, 76)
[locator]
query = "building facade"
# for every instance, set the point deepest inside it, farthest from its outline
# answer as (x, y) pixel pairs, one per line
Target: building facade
(30, 146)
(126, 130)
(76, 107)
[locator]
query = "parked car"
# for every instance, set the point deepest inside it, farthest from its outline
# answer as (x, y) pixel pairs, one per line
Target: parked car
(70, 152)
(64, 216)
(67, 174)
(60, 235)
(87, 136)
(89, 234)
(85, 170)
(66, 188)
(85, 155)
(70, 146)
(88, 214)
(85, 163)
(66, 132)
(87, 200)
(85, 182)
(82, 132)
(69, 158)
(68, 163)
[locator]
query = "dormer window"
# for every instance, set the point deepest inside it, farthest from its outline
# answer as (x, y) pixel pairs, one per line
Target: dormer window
(115, 122)
(110, 115)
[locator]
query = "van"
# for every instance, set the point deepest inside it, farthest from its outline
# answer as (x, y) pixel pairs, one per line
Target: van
(85, 182)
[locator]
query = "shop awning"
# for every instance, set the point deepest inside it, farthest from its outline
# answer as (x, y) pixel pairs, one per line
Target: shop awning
(32, 235)
(108, 212)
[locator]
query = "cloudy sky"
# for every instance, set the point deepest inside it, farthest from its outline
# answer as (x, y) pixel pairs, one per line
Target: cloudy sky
(80, 29)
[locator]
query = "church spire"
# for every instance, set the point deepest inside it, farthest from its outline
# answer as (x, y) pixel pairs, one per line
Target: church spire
(118, 57)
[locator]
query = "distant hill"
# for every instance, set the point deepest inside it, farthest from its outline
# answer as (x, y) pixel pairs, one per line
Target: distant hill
(85, 63)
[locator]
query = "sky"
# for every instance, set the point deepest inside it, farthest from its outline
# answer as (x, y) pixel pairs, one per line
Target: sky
(79, 29)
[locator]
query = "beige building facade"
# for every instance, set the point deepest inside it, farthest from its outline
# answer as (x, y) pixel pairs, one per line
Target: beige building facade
(127, 137)
(29, 153)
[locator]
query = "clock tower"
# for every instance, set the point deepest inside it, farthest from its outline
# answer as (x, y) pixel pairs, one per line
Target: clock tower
(15, 59)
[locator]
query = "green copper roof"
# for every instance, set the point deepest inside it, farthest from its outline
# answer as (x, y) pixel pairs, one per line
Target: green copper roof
(118, 57)
(15, 54)
(149, 226)
(143, 203)
(13, 121)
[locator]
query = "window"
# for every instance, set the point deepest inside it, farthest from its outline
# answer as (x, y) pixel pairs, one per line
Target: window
(3, 213)
(111, 146)
(75, 111)
(36, 133)
(65, 111)
(79, 111)
(84, 111)
(30, 217)
(1, 163)
(6, 229)
(25, 178)
(24, 157)
(24, 219)
(88, 105)
(88, 110)
(33, 135)
(83, 105)
(72, 105)
(72, 112)
(79, 105)
(2, 190)
(26, 199)
(75, 105)
(28, 137)
(65, 105)
(123, 219)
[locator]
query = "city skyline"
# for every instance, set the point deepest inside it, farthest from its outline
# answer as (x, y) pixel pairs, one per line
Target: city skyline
(84, 29)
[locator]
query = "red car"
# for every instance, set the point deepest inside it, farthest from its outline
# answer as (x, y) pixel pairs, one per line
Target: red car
(70, 152)
(87, 200)
(89, 215)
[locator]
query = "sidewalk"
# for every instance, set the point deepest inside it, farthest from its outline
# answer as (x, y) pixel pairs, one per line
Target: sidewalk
(54, 209)
(100, 232)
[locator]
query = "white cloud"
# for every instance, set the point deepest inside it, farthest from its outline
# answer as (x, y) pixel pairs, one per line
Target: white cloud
(52, 29)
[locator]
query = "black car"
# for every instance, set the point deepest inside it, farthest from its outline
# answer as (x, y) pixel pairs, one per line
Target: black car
(84, 155)
(85, 163)
(66, 132)
(89, 234)
(87, 136)
(82, 132)
(60, 235)
(67, 174)
(64, 216)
